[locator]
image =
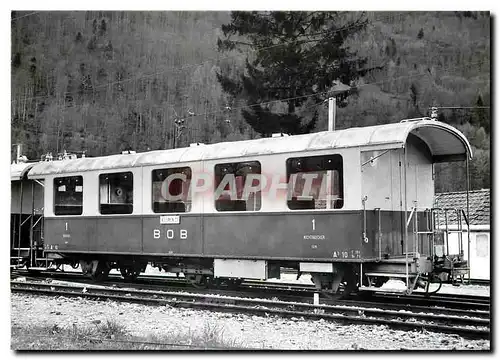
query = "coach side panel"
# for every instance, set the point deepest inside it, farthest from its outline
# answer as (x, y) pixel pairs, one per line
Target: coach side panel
(279, 233)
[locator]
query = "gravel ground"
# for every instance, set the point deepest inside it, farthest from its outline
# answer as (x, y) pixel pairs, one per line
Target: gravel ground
(246, 330)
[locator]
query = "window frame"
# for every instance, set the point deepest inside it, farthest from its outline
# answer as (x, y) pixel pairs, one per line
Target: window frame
(216, 185)
(189, 196)
(54, 204)
(339, 169)
(100, 203)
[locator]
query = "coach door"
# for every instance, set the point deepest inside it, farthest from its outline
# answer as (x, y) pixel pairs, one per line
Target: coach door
(382, 202)
(26, 222)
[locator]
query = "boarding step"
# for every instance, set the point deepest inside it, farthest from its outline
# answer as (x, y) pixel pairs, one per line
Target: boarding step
(425, 232)
(383, 290)
(459, 268)
(39, 268)
(394, 275)
(16, 257)
(400, 260)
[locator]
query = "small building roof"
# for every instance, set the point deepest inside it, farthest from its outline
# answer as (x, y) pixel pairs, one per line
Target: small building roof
(445, 143)
(479, 206)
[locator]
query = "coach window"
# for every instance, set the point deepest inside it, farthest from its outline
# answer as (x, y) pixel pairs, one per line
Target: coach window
(171, 190)
(482, 248)
(312, 179)
(68, 195)
(237, 186)
(116, 193)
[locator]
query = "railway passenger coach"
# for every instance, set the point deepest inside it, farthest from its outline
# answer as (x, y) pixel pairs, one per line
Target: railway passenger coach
(350, 207)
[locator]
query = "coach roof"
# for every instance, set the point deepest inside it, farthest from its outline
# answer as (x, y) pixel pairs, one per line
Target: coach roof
(445, 143)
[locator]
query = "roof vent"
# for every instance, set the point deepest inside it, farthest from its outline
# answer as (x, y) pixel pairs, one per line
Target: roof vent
(126, 152)
(279, 135)
(196, 144)
(434, 113)
(416, 119)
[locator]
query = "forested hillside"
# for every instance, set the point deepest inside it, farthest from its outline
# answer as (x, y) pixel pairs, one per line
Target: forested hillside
(109, 81)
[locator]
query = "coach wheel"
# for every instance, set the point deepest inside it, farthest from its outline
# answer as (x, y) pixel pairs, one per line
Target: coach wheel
(234, 283)
(43, 264)
(130, 273)
(101, 272)
(74, 264)
(350, 285)
(198, 281)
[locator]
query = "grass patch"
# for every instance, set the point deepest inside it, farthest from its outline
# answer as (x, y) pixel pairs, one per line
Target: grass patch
(111, 335)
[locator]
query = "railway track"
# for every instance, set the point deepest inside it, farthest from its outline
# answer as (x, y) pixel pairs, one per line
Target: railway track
(464, 302)
(472, 325)
(282, 291)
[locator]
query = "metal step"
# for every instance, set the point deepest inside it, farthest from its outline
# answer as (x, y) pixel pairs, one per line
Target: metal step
(38, 268)
(384, 290)
(398, 260)
(425, 232)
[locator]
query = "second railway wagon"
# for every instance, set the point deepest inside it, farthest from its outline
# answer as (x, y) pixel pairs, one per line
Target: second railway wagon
(351, 207)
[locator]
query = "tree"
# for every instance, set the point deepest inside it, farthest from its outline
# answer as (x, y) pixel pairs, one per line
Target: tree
(295, 55)
(420, 34)
(414, 100)
(479, 116)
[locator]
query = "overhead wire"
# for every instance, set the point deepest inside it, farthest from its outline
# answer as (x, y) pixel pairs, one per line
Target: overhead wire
(326, 92)
(26, 15)
(460, 107)
(269, 102)
(318, 94)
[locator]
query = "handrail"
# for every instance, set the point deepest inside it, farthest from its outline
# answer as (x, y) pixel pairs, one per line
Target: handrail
(409, 219)
(465, 217)
(375, 157)
(36, 222)
(363, 200)
(24, 222)
(447, 233)
(379, 235)
(415, 228)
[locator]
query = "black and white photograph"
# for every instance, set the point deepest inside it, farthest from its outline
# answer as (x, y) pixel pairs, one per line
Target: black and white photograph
(250, 180)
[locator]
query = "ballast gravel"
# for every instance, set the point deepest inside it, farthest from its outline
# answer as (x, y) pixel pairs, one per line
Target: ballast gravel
(248, 331)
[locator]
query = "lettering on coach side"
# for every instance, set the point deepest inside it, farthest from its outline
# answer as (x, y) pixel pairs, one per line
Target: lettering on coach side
(171, 234)
(347, 254)
(314, 237)
(170, 219)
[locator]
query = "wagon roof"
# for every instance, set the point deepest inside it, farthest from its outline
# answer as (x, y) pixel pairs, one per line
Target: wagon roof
(443, 140)
(17, 171)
